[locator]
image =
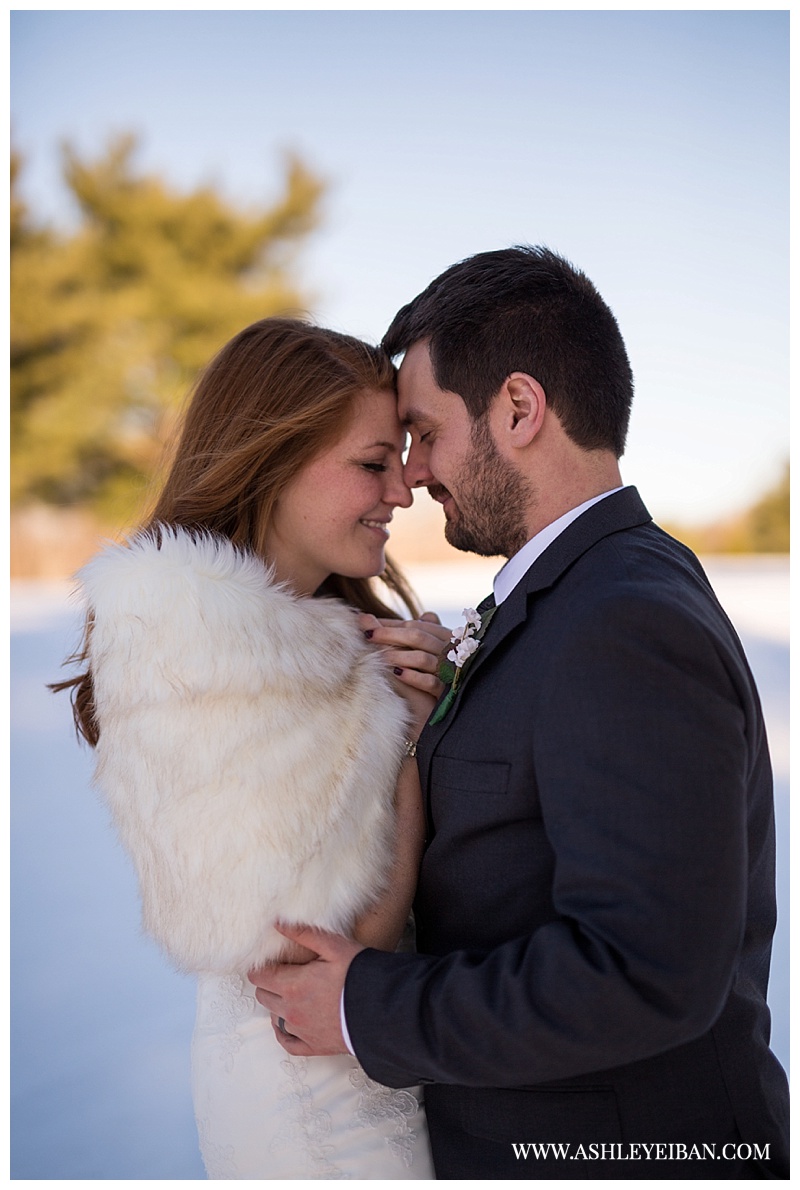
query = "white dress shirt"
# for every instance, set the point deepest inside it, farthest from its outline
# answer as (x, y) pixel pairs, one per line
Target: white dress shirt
(505, 581)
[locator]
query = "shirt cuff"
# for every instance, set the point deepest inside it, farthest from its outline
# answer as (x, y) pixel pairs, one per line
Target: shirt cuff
(343, 1021)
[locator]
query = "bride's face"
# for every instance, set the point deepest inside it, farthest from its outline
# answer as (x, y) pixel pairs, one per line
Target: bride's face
(333, 518)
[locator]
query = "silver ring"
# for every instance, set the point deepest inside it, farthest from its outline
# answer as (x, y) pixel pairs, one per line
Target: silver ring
(282, 1027)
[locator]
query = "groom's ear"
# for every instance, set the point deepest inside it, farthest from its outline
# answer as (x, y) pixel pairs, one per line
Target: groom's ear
(523, 404)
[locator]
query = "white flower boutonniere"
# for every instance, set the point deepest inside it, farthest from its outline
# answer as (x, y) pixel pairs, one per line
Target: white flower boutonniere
(466, 640)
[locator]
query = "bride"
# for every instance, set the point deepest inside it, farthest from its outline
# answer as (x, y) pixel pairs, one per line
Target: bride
(251, 743)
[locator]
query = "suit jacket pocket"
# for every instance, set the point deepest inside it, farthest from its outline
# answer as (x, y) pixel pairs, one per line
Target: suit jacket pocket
(580, 1115)
(470, 776)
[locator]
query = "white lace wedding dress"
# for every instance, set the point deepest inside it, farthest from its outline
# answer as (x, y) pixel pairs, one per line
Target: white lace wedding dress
(263, 1114)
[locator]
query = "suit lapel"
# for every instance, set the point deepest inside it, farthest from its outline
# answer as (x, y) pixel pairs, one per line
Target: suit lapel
(623, 510)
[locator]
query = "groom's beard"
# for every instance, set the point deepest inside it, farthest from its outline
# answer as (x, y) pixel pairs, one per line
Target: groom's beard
(492, 501)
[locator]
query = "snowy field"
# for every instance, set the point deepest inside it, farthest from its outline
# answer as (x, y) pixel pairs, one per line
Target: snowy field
(100, 1025)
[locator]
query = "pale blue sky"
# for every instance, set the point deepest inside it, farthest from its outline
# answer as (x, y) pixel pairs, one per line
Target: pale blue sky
(651, 148)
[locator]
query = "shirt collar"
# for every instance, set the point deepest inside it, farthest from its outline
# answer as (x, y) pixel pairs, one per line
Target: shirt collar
(518, 566)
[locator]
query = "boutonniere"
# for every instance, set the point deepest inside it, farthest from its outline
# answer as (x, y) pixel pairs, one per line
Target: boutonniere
(466, 640)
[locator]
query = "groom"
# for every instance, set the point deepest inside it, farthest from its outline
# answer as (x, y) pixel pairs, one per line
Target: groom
(596, 903)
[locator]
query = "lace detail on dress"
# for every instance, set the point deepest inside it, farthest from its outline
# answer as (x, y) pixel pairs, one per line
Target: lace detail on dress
(378, 1104)
(227, 1013)
(218, 1159)
(262, 1114)
(310, 1127)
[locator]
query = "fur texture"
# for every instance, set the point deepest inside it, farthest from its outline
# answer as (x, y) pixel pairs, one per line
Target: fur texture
(249, 747)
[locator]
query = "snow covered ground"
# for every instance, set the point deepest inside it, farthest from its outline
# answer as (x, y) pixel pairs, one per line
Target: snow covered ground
(100, 1025)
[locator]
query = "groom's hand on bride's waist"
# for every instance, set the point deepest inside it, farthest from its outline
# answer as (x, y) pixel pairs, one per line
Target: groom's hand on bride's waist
(304, 998)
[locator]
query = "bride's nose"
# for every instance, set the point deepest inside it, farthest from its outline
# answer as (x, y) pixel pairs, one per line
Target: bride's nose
(397, 492)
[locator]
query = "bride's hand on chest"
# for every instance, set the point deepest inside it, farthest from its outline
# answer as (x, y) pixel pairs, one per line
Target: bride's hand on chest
(411, 651)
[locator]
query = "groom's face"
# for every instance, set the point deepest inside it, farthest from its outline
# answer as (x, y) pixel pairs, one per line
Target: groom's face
(457, 460)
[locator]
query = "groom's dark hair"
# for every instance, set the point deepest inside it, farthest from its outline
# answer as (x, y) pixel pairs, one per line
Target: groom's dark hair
(524, 309)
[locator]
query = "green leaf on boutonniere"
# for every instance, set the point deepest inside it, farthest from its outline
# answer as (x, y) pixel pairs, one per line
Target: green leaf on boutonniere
(443, 707)
(466, 639)
(446, 672)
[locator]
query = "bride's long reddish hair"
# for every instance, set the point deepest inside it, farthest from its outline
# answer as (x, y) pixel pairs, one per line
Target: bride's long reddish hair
(275, 396)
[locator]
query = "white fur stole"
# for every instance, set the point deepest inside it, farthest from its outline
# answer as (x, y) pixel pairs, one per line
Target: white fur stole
(249, 747)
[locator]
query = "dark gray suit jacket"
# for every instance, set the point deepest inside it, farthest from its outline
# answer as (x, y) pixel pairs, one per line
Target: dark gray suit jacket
(596, 901)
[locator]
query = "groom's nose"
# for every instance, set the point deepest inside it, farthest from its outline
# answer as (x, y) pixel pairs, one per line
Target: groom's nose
(416, 472)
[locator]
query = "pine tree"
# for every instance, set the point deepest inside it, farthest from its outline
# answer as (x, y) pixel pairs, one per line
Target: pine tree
(111, 324)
